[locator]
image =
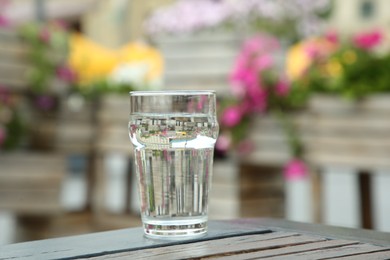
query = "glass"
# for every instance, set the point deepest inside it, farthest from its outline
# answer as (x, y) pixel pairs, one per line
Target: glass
(173, 133)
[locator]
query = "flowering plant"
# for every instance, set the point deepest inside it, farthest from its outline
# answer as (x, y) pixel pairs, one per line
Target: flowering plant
(288, 18)
(49, 74)
(100, 70)
(259, 86)
(65, 62)
(353, 67)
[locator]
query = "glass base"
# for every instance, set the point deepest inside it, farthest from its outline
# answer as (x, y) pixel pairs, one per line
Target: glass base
(172, 230)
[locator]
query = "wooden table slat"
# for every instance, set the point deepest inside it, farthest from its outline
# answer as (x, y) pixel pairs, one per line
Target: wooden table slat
(112, 242)
(233, 245)
(291, 249)
(233, 239)
(344, 251)
(369, 256)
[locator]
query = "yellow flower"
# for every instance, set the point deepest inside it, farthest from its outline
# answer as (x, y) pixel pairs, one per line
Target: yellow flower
(92, 61)
(302, 55)
(136, 52)
(297, 62)
(89, 60)
(333, 68)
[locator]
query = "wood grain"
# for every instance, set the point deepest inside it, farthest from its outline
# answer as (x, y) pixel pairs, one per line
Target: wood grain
(327, 244)
(331, 253)
(277, 245)
(31, 183)
(226, 246)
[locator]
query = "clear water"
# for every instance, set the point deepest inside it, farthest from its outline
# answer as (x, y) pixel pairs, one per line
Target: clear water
(173, 157)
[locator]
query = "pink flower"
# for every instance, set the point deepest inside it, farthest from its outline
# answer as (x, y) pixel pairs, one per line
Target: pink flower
(260, 44)
(332, 37)
(243, 76)
(3, 21)
(44, 35)
(257, 97)
(231, 116)
(263, 62)
(295, 170)
(223, 143)
(282, 88)
(312, 50)
(237, 89)
(3, 135)
(369, 40)
(66, 74)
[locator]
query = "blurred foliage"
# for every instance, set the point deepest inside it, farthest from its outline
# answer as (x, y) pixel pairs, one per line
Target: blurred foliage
(65, 65)
(64, 62)
(47, 51)
(290, 20)
(12, 127)
(99, 70)
(352, 68)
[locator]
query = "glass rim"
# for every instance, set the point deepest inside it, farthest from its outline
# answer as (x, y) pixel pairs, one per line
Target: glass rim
(171, 92)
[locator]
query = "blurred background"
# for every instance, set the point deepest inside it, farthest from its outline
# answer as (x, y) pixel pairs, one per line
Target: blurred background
(303, 107)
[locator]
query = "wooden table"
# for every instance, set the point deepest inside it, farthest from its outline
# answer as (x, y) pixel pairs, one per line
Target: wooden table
(233, 239)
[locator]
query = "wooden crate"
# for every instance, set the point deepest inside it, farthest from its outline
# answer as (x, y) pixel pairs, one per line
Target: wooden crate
(334, 132)
(350, 134)
(30, 183)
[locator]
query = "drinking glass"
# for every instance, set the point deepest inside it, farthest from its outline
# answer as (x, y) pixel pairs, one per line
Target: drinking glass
(173, 133)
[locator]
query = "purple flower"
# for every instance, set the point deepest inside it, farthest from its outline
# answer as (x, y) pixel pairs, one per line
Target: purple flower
(4, 95)
(3, 135)
(295, 170)
(45, 102)
(66, 74)
(192, 15)
(188, 16)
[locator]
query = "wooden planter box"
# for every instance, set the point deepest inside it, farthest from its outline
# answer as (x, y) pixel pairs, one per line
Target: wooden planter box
(334, 132)
(30, 183)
